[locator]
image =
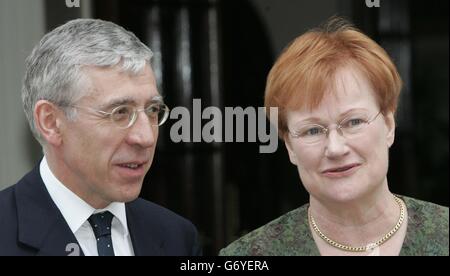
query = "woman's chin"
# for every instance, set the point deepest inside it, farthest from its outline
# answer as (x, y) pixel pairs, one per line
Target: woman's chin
(345, 193)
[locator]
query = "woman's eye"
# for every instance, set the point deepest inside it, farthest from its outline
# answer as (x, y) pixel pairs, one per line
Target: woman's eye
(353, 122)
(312, 131)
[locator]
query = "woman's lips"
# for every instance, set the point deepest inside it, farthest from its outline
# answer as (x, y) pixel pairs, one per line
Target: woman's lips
(342, 171)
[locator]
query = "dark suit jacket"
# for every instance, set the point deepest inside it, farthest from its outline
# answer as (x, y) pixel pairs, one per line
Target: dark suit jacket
(31, 224)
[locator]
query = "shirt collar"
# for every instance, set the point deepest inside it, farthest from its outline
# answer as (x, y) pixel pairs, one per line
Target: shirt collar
(74, 209)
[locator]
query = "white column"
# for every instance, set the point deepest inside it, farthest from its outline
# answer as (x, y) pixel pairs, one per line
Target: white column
(21, 27)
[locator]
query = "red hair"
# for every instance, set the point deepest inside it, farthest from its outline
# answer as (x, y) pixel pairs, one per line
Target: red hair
(306, 69)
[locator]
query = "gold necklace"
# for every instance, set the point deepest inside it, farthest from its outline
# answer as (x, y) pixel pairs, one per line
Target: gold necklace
(361, 248)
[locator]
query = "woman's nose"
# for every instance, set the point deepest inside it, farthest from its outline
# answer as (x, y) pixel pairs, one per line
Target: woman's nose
(336, 144)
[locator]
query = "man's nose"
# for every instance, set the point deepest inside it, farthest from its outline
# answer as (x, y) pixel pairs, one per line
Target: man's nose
(336, 144)
(142, 133)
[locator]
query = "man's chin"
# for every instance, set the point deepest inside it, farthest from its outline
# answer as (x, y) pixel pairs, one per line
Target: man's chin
(125, 198)
(129, 192)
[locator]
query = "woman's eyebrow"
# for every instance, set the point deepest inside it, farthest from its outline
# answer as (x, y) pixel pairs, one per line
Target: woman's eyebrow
(313, 120)
(317, 120)
(346, 113)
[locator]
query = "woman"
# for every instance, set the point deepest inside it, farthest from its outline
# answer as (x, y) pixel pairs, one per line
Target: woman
(336, 91)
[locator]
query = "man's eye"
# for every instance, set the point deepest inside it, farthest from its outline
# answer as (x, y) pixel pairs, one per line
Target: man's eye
(124, 110)
(153, 109)
(121, 113)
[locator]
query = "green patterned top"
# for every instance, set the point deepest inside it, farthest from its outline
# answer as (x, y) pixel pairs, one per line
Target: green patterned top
(290, 235)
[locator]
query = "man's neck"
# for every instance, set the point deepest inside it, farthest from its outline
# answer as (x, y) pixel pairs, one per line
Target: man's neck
(63, 173)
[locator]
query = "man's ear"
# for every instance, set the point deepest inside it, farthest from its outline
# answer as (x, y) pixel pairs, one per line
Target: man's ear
(390, 125)
(48, 122)
(291, 152)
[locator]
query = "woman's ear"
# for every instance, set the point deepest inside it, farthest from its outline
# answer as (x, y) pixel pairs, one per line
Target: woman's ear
(48, 122)
(390, 124)
(291, 152)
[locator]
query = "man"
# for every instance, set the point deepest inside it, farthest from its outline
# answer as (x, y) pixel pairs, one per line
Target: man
(90, 97)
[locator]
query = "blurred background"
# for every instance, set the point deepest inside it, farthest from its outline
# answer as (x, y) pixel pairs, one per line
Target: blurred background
(220, 51)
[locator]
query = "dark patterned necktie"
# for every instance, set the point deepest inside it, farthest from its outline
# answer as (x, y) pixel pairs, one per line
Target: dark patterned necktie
(101, 224)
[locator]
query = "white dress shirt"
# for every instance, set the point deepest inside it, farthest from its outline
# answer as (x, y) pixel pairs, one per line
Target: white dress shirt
(76, 213)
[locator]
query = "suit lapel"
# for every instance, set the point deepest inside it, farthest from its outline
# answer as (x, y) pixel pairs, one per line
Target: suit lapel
(40, 224)
(144, 235)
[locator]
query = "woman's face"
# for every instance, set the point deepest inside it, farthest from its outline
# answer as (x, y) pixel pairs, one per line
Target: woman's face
(342, 168)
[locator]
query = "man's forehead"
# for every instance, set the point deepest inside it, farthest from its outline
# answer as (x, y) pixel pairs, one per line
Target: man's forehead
(110, 85)
(114, 76)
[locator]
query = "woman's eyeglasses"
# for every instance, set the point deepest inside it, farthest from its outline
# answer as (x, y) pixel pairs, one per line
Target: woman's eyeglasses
(348, 127)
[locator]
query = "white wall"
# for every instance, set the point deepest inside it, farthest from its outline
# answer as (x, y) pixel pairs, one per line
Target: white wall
(21, 27)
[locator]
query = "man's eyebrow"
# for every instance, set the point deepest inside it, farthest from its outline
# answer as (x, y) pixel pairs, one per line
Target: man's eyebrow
(157, 99)
(117, 102)
(128, 101)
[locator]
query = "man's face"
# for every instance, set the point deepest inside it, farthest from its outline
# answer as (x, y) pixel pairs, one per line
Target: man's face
(98, 159)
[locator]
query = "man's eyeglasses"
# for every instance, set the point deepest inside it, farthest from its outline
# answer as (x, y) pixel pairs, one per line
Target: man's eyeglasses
(349, 127)
(124, 116)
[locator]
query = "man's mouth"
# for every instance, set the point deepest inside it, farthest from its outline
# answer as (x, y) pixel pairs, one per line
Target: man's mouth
(133, 169)
(132, 166)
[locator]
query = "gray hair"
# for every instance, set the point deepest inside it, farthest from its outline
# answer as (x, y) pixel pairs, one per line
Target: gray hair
(54, 69)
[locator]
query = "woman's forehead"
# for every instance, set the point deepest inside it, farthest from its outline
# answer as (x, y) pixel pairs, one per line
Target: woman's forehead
(350, 78)
(347, 83)
(337, 104)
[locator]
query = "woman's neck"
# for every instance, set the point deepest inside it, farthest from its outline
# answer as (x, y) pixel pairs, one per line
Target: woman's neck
(357, 222)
